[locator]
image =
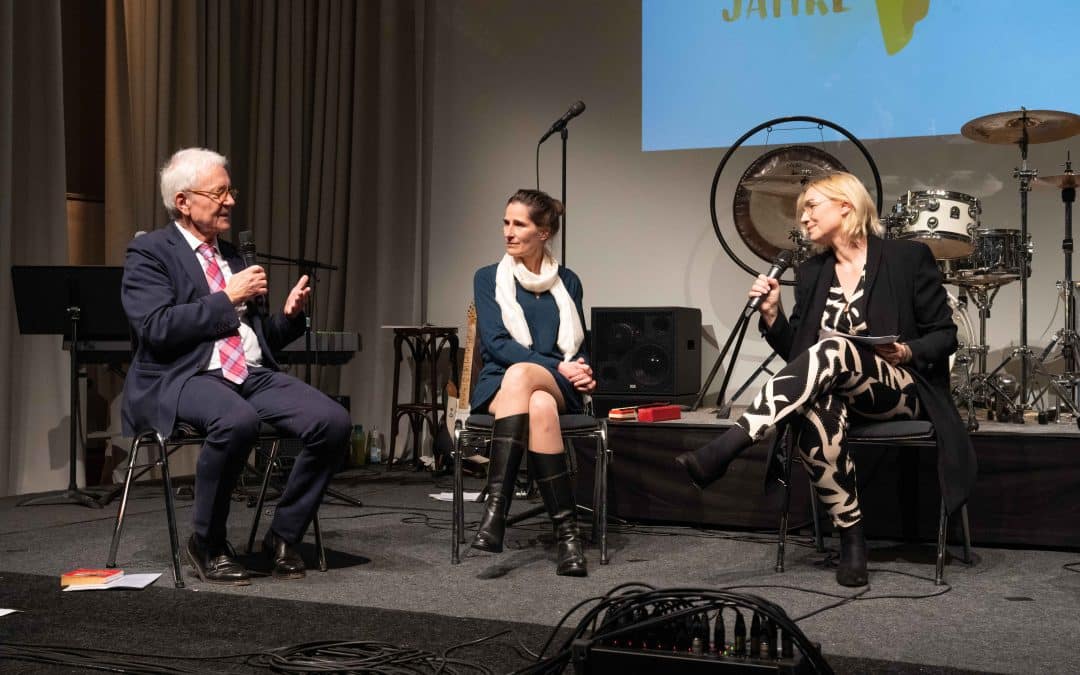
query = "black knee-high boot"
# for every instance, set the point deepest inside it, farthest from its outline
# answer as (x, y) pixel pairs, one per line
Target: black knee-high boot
(709, 462)
(553, 480)
(509, 437)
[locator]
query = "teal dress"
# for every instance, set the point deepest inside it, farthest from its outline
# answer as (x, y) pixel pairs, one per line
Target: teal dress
(499, 351)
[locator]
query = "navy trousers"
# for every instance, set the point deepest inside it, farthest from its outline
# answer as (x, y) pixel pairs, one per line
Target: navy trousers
(229, 415)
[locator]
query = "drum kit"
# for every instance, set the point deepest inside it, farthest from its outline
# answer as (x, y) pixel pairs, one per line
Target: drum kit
(980, 260)
(977, 259)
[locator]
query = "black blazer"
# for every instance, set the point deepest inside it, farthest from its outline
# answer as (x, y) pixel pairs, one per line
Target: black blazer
(176, 320)
(905, 297)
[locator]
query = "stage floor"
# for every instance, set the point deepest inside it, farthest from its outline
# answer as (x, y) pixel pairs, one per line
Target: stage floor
(1014, 610)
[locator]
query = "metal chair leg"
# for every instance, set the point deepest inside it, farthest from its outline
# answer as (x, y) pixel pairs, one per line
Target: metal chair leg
(785, 506)
(819, 539)
(597, 486)
(170, 511)
(457, 507)
(943, 524)
(602, 479)
(319, 544)
(119, 526)
(966, 526)
(271, 461)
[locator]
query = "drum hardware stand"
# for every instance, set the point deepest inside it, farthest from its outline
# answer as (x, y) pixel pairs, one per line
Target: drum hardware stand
(1067, 337)
(1025, 175)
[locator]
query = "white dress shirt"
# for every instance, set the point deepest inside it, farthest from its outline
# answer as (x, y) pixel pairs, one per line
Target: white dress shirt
(252, 351)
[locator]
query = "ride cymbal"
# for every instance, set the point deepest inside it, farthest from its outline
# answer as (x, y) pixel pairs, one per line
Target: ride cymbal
(1007, 128)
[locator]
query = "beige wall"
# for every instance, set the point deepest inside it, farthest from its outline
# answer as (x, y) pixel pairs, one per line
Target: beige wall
(638, 223)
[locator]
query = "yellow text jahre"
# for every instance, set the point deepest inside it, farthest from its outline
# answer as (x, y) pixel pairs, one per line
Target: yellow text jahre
(779, 7)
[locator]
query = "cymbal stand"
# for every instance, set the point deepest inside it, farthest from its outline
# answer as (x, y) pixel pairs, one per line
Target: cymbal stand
(1025, 175)
(981, 385)
(1067, 337)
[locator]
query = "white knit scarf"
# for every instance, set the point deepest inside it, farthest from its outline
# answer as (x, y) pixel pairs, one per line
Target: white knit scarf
(571, 334)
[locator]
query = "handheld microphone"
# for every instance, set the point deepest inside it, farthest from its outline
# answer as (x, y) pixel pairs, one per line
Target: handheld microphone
(247, 252)
(779, 266)
(576, 108)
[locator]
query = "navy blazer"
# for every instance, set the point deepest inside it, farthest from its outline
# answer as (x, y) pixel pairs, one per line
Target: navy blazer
(175, 321)
(905, 297)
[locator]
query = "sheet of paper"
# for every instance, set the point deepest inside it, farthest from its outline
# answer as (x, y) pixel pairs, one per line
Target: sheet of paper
(5, 612)
(861, 339)
(127, 581)
(449, 496)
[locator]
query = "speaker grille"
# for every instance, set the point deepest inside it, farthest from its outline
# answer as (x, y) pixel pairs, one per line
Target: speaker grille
(647, 350)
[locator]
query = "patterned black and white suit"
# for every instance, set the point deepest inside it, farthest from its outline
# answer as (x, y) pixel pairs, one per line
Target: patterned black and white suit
(830, 381)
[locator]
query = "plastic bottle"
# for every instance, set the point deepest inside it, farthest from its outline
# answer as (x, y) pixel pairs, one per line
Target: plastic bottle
(358, 454)
(374, 446)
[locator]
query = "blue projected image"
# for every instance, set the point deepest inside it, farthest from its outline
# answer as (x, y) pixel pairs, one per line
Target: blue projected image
(714, 69)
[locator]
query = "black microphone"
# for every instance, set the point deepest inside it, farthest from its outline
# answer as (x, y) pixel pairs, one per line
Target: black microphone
(780, 264)
(576, 108)
(247, 252)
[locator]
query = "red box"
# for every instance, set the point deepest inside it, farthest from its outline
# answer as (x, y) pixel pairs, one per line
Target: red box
(660, 413)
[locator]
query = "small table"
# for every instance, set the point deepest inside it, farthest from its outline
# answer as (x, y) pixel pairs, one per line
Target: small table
(425, 343)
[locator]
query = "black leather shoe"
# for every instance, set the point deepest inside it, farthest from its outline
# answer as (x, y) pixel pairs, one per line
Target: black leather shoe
(287, 562)
(216, 566)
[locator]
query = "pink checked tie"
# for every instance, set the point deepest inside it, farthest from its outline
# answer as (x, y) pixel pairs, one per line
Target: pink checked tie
(233, 364)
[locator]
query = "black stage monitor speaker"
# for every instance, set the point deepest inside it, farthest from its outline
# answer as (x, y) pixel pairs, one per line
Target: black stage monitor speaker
(654, 351)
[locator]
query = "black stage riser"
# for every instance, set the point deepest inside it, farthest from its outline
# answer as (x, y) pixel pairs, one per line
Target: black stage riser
(1025, 494)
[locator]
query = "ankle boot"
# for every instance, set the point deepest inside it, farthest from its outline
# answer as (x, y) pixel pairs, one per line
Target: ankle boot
(509, 436)
(710, 462)
(553, 480)
(852, 568)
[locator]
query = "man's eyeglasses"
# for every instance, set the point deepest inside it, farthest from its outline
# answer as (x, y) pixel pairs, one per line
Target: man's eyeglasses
(219, 194)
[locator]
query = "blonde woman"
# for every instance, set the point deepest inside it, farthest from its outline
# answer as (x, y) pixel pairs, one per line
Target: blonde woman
(858, 284)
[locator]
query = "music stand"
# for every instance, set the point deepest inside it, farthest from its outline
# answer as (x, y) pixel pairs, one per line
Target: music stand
(79, 303)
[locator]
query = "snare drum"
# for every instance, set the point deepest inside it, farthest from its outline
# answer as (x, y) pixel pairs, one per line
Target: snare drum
(943, 220)
(996, 258)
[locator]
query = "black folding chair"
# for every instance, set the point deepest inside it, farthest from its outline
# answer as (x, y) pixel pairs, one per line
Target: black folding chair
(476, 432)
(904, 434)
(185, 434)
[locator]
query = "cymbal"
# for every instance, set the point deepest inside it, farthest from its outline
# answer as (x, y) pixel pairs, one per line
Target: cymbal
(763, 207)
(1043, 126)
(1060, 182)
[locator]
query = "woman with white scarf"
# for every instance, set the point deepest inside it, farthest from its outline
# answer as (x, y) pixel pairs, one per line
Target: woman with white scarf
(531, 328)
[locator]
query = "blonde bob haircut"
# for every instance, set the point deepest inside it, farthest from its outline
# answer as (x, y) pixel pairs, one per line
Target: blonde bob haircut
(861, 220)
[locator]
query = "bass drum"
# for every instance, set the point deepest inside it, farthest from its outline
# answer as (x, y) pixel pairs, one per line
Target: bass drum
(965, 337)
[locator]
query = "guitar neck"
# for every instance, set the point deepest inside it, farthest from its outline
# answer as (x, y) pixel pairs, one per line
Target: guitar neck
(466, 365)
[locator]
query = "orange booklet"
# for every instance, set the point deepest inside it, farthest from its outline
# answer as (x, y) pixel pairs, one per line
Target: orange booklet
(85, 577)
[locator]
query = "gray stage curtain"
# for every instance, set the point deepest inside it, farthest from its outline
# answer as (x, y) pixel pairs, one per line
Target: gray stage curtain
(321, 108)
(33, 231)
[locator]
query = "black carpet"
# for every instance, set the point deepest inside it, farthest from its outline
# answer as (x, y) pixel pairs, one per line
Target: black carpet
(219, 629)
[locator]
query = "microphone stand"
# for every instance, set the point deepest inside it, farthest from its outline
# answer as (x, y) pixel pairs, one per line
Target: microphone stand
(736, 336)
(309, 267)
(563, 134)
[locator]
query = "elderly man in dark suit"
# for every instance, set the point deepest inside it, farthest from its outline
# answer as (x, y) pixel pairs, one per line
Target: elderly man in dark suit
(204, 355)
